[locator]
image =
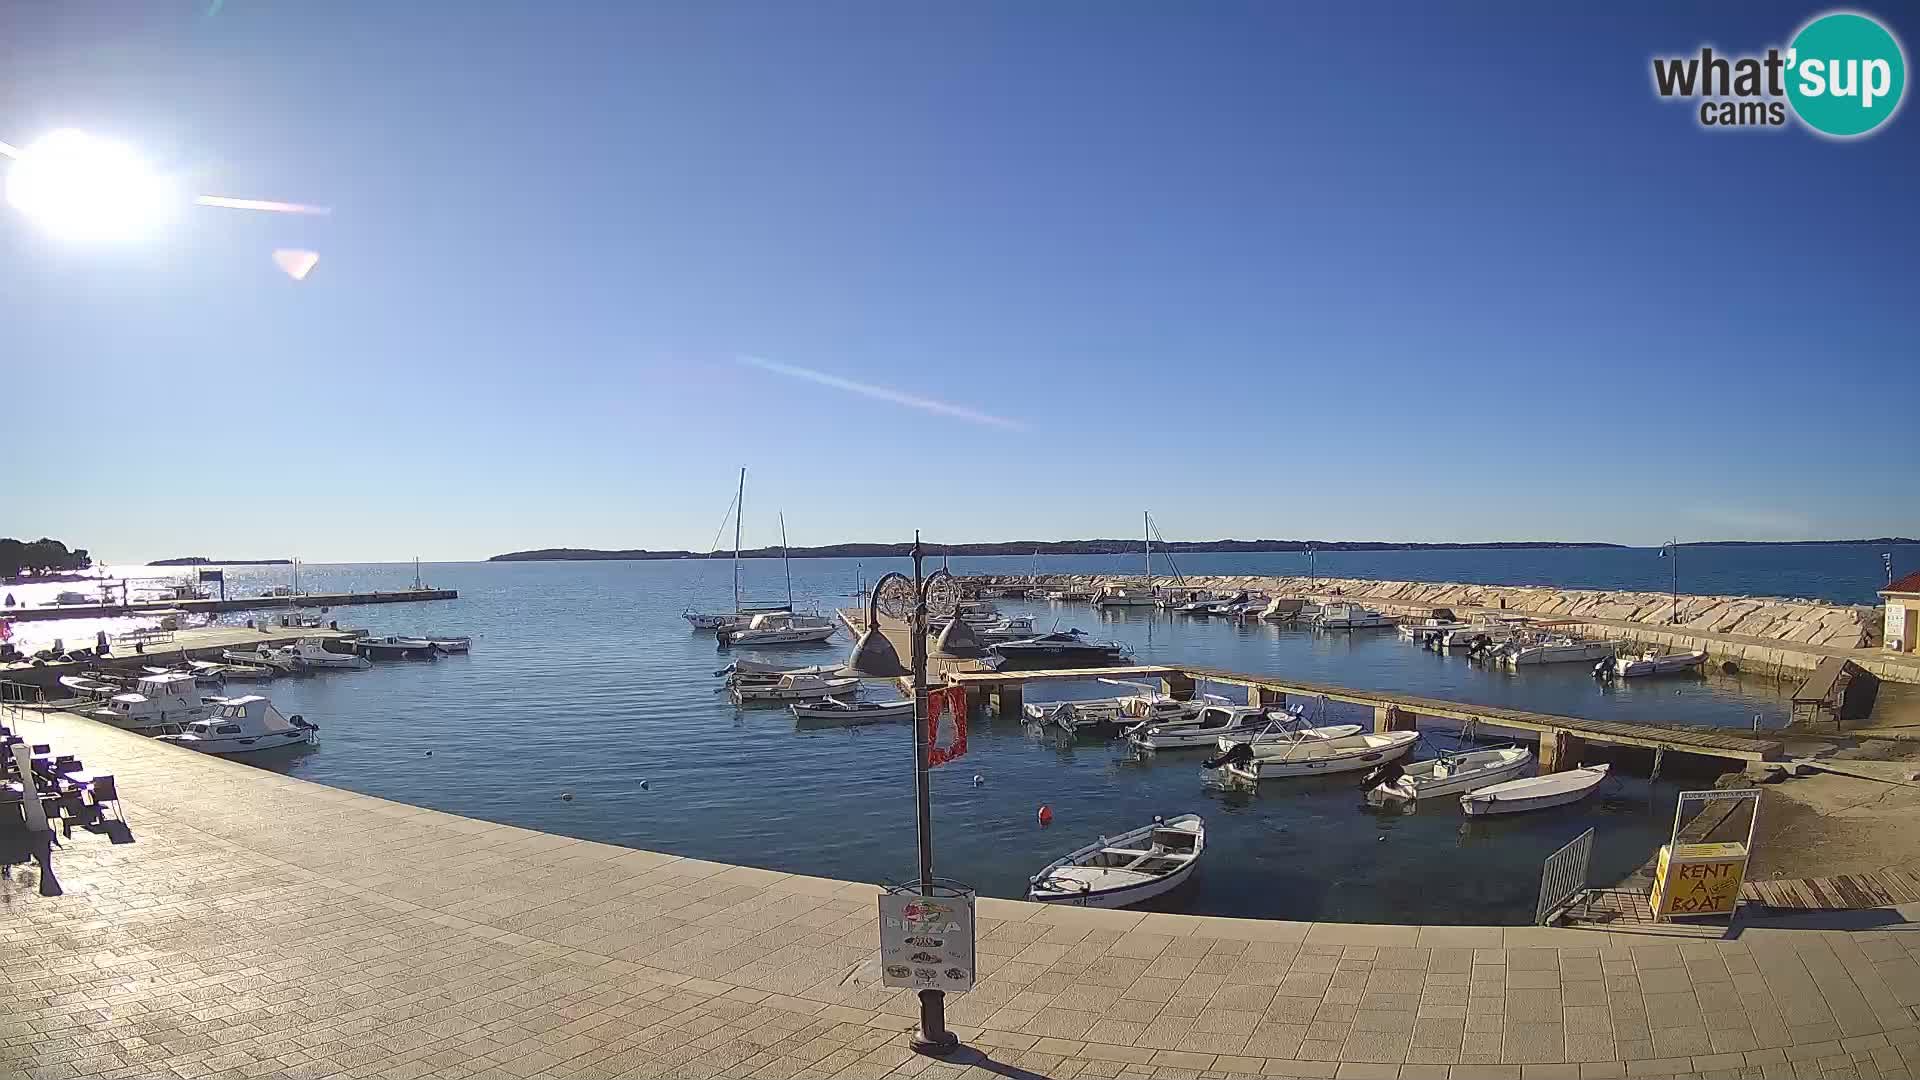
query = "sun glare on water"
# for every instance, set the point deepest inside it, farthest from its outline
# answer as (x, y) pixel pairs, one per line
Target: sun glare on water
(87, 189)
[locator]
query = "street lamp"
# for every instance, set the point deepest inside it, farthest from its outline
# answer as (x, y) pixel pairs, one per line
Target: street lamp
(874, 657)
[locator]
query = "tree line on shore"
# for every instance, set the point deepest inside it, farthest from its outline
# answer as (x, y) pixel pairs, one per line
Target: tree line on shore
(1027, 547)
(42, 556)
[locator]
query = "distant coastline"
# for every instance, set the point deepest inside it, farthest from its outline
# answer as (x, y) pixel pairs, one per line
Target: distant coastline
(1026, 547)
(201, 560)
(1122, 547)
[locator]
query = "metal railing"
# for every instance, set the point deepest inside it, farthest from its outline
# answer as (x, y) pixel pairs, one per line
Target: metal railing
(1563, 877)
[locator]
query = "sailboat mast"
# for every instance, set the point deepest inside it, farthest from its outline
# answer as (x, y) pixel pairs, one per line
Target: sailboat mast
(785, 562)
(739, 511)
(1146, 520)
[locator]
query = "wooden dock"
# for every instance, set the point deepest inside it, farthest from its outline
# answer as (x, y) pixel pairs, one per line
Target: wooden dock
(1561, 737)
(238, 603)
(1841, 892)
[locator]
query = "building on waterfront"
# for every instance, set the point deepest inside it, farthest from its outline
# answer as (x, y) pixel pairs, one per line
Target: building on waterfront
(1902, 598)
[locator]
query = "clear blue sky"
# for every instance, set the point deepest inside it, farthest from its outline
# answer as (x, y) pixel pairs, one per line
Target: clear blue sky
(1267, 269)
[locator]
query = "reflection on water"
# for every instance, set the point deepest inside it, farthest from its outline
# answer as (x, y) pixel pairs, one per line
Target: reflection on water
(584, 678)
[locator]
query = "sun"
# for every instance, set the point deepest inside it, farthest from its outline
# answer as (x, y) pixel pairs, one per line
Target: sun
(86, 189)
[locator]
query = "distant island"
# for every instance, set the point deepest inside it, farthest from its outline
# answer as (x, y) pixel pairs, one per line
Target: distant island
(201, 560)
(1890, 540)
(1028, 547)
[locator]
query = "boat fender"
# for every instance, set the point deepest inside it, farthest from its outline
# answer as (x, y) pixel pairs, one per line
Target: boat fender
(978, 780)
(566, 796)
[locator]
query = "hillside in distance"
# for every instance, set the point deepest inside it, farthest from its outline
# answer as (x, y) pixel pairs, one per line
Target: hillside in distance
(1026, 547)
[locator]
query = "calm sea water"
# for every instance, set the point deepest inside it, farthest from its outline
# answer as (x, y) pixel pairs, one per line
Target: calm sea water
(584, 679)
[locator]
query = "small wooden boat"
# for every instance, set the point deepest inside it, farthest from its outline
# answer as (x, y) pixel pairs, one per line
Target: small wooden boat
(1316, 757)
(1535, 792)
(794, 688)
(837, 712)
(1126, 869)
(1448, 775)
(773, 671)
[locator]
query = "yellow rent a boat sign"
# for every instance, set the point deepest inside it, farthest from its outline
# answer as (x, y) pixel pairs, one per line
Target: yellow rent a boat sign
(1698, 879)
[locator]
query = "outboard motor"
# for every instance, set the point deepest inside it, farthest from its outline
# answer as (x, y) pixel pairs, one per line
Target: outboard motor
(724, 637)
(1604, 671)
(1241, 754)
(1388, 775)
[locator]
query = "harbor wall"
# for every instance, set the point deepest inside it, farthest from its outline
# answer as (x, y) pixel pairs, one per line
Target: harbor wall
(1762, 634)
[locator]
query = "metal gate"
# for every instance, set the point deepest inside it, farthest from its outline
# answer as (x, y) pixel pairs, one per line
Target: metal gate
(1564, 876)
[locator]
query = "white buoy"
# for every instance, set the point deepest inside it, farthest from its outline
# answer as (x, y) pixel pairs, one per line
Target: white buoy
(978, 779)
(645, 784)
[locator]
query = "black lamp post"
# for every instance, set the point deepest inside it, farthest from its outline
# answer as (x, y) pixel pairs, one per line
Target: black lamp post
(874, 657)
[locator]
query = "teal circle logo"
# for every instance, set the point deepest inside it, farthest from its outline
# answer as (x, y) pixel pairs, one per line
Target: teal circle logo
(1845, 74)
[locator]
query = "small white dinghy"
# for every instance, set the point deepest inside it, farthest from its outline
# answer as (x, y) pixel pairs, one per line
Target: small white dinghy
(1125, 869)
(794, 688)
(835, 712)
(1449, 775)
(245, 724)
(1652, 663)
(1535, 792)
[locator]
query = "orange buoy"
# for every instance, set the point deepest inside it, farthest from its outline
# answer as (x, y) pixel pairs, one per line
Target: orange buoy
(1046, 814)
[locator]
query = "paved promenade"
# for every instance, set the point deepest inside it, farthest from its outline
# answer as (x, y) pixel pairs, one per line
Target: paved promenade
(262, 926)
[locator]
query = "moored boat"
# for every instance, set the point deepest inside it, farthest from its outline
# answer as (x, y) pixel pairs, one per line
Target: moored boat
(451, 643)
(1317, 757)
(1127, 869)
(394, 648)
(279, 660)
(1350, 617)
(1201, 729)
(1450, 774)
(836, 712)
(1067, 646)
(157, 703)
(794, 688)
(314, 654)
(779, 628)
(1650, 663)
(1534, 792)
(1559, 649)
(243, 725)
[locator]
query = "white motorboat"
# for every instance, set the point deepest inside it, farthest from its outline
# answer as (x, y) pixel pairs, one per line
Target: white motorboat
(89, 688)
(243, 725)
(313, 654)
(157, 703)
(1111, 595)
(1559, 649)
(281, 660)
(1317, 756)
(1202, 729)
(1275, 734)
(1011, 628)
(1349, 617)
(1067, 594)
(780, 628)
(835, 712)
(759, 669)
(1472, 635)
(1534, 792)
(1652, 663)
(1069, 646)
(1126, 869)
(394, 648)
(1111, 714)
(247, 671)
(451, 643)
(1287, 609)
(1448, 775)
(794, 688)
(1437, 624)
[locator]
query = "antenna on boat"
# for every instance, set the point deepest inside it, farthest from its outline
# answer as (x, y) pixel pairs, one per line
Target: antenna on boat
(416, 573)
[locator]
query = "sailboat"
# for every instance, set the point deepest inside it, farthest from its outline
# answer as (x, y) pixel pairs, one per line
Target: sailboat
(1112, 594)
(784, 626)
(741, 615)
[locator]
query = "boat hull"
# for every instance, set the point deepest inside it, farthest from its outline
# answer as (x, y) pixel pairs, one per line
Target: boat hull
(1423, 786)
(1487, 802)
(228, 746)
(1279, 766)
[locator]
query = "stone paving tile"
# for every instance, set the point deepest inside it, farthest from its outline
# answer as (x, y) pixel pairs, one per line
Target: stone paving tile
(228, 942)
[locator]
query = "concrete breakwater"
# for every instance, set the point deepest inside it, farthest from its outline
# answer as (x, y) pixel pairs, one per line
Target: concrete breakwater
(1789, 622)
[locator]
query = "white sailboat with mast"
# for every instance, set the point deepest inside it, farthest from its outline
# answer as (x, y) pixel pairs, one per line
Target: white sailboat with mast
(1116, 595)
(741, 615)
(783, 626)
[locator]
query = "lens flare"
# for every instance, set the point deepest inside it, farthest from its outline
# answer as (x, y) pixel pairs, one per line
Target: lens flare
(87, 189)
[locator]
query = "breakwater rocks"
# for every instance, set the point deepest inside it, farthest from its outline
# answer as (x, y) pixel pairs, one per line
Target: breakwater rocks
(1807, 622)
